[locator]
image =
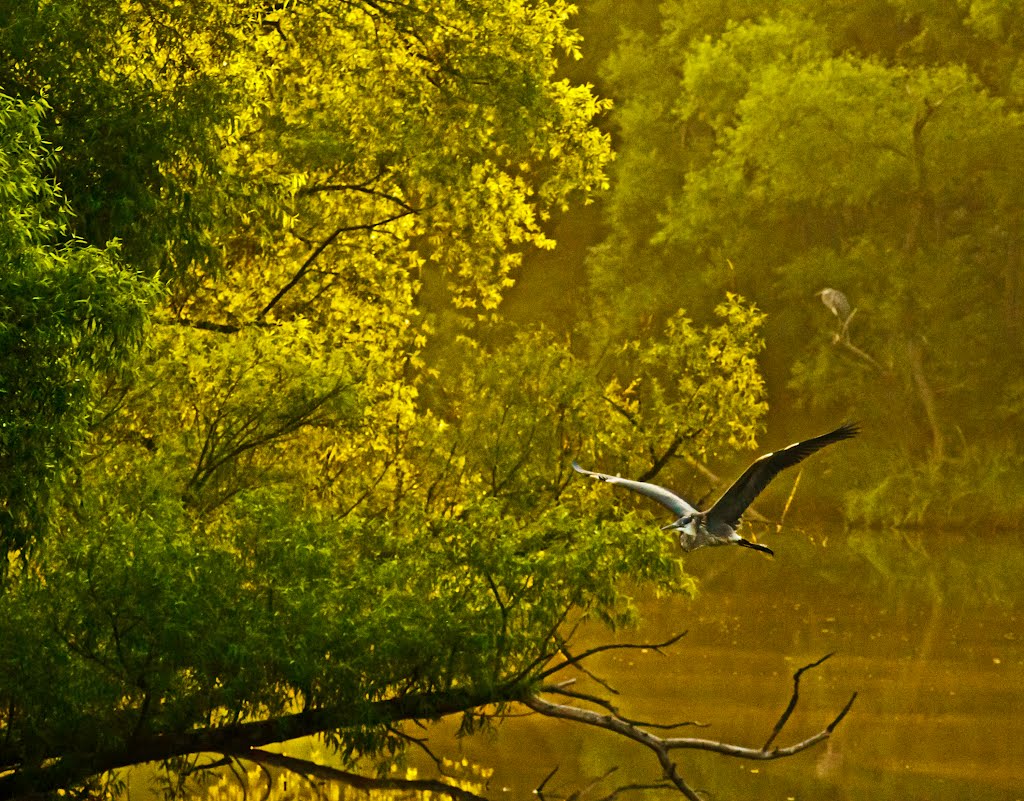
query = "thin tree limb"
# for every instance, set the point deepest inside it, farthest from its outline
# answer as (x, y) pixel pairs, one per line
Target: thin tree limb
(559, 689)
(577, 663)
(311, 259)
(611, 647)
(662, 460)
(792, 700)
(619, 726)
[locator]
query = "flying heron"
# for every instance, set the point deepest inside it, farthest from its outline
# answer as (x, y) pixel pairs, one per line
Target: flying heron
(717, 525)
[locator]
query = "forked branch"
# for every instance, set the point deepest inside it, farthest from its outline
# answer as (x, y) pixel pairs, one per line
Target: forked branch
(663, 746)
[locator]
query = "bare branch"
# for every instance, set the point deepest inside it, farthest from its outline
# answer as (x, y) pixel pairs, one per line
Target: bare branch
(233, 766)
(845, 342)
(842, 714)
(577, 663)
(559, 689)
(539, 792)
(634, 788)
(421, 743)
(663, 746)
(792, 701)
(574, 660)
(619, 726)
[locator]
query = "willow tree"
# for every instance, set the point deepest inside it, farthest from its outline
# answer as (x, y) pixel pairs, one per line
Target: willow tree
(319, 500)
(67, 312)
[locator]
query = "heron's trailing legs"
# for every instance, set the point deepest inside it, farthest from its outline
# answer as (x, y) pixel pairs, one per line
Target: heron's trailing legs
(755, 546)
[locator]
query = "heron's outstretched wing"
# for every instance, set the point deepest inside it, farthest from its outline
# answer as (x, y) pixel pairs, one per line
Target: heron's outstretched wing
(755, 478)
(660, 494)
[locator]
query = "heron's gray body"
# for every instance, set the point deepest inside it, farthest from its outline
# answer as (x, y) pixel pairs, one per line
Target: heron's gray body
(697, 532)
(717, 525)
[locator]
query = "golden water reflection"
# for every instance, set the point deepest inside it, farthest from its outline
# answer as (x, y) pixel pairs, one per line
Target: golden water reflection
(926, 629)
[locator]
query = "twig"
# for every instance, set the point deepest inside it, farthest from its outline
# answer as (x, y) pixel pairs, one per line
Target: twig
(789, 501)
(539, 791)
(559, 689)
(632, 788)
(576, 662)
(611, 647)
(792, 700)
(846, 343)
(619, 726)
(304, 269)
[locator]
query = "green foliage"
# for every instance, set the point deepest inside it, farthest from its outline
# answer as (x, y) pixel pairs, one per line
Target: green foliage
(67, 312)
(982, 488)
(137, 162)
(332, 490)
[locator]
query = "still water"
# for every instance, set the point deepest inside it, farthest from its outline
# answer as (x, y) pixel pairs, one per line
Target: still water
(927, 628)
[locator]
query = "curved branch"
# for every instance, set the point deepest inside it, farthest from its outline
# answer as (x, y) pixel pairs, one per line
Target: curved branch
(576, 659)
(362, 188)
(598, 701)
(792, 700)
(311, 259)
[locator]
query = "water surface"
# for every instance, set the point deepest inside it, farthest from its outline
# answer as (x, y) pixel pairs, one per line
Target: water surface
(925, 627)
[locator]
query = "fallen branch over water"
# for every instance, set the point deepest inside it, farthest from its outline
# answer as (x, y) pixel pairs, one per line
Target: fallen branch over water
(663, 747)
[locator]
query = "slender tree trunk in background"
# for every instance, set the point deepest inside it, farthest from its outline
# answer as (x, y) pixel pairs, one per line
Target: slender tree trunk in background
(927, 397)
(1011, 295)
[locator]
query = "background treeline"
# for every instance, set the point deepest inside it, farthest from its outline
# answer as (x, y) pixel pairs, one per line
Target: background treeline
(775, 149)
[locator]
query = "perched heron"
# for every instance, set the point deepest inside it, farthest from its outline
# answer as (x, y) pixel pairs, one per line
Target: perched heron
(836, 302)
(717, 526)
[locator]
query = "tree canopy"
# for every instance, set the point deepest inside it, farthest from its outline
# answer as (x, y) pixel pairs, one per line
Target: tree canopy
(274, 464)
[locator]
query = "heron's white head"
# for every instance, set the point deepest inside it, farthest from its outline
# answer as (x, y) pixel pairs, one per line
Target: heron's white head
(686, 526)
